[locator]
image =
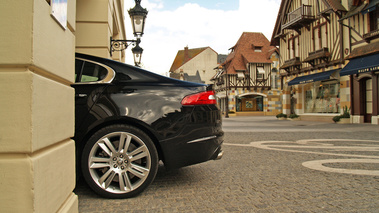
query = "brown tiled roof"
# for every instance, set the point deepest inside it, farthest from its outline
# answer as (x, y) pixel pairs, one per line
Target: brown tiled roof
(284, 4)
(243, 52)
(182, 58)
(270, 52)
(335, 5)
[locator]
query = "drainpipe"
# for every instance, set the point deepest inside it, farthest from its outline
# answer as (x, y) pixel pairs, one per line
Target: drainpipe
(227, 98)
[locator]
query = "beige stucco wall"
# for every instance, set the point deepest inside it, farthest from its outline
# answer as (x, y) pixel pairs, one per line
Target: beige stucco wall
(203, 64)
(37, 156)
(96, 22)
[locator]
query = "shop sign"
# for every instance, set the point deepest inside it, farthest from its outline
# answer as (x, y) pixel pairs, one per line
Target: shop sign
(368, 69)
(59, 12)
(307, 81)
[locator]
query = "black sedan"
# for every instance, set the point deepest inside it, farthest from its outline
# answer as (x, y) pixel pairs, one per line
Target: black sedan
(128, 119)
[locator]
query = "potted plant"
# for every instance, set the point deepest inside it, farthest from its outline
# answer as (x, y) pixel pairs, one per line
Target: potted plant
(344, 118)
(281, 116)
(336, 118)
(294, 117)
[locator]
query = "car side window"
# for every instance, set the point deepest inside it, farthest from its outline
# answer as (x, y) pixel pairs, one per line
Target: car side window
(92, 72)
(86, 71)
(78, 69)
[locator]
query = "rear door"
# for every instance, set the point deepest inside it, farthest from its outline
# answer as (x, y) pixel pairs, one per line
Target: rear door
(92, 79)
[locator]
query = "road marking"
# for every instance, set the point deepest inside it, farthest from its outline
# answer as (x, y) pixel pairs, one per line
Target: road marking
(327, 147)
(318, 165)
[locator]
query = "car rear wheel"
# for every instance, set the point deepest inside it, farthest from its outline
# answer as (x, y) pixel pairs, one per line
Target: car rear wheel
(119, 161)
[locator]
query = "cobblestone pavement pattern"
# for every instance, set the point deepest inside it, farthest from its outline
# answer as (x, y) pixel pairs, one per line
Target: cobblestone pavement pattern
(268, 166)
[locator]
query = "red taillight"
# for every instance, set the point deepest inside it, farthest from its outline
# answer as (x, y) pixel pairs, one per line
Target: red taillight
(202, 98)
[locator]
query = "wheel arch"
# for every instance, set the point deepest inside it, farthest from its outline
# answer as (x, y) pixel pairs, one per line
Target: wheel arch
(123, 121)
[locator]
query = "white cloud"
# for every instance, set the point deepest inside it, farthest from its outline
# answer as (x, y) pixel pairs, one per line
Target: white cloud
(166, 31)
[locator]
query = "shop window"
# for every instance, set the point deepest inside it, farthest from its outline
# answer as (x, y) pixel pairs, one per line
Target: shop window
(322, 97)
(249, 103)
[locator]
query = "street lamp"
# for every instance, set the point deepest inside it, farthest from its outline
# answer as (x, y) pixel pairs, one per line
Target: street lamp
(226, 94)
(138, 16)
(137, 53)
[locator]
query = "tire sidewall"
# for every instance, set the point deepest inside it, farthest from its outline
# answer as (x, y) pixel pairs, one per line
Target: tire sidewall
(119, 128)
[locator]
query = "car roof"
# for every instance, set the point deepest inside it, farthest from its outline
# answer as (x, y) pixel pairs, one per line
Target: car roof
(121, 67)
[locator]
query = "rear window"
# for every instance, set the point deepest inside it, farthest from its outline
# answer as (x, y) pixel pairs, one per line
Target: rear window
(86, 71)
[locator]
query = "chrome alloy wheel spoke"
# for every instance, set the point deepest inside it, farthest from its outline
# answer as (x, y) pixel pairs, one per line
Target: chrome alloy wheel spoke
(97, 162)
(138, 171)
(108, 145)
(124, 181)
(139, 153)
(124, 142)
(107, 178)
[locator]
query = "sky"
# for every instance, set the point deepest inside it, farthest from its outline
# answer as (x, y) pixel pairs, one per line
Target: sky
(172, 25)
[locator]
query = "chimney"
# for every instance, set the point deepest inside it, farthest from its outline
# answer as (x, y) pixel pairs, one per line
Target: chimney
(186, 54)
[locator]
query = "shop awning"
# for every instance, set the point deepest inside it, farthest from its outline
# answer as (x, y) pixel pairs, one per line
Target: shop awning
(261, 70)
(370, 7)
(312, 78)
(361, 65)
(240, 75)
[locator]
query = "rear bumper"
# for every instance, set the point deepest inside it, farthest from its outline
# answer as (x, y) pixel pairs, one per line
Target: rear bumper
(184, 153)
(196, 139)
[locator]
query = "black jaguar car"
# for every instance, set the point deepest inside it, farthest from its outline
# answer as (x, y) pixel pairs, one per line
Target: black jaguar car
(128, 119)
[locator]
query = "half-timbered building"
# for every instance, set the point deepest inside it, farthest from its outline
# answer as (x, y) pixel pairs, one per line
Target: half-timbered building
(316, 37)
(246, 82)
(361, 27)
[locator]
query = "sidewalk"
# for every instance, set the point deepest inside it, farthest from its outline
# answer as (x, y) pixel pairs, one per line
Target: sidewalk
(272, 124)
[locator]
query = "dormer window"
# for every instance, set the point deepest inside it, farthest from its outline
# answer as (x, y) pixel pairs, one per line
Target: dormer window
(257, 49)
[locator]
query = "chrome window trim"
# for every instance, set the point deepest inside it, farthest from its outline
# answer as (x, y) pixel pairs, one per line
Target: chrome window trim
(108, 79)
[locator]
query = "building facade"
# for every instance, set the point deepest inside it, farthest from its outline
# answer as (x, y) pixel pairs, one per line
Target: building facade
(195, 65)
(316, 38)
(37, 62)
(248, 81)
(96, 23)
(361, 23)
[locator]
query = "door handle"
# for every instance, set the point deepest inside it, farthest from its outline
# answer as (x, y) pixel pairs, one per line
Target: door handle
(81, 95)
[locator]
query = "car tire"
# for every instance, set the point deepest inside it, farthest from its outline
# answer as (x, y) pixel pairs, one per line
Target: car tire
(119, 161)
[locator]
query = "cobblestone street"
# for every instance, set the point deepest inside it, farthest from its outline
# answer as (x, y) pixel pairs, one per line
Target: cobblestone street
(268, 166)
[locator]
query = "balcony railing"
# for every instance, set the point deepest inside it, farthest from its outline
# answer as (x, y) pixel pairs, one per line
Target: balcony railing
(299, 17)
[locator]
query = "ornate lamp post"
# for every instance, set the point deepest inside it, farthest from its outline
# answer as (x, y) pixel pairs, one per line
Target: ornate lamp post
(137, 53)
(138, 17)
(226, 91)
